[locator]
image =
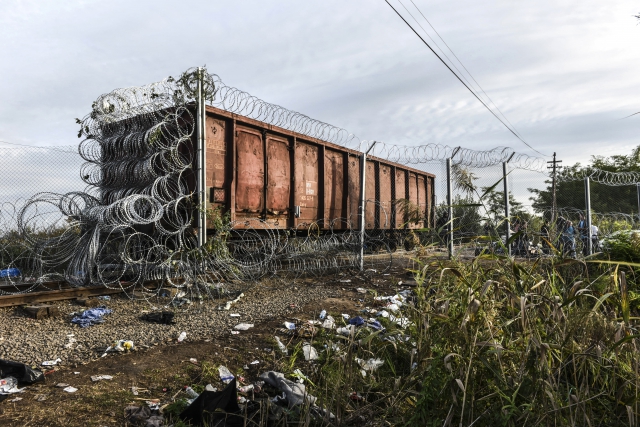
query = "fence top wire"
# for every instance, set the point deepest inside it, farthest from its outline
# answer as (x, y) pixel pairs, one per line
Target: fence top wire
(125, 103)
(602, 177)
(432, 152)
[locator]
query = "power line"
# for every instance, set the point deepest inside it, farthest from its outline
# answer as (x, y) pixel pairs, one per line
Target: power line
(630, 115)
(461, 81)
(45, 147)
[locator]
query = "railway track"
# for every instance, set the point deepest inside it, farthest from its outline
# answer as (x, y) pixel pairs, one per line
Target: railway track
(31, 293)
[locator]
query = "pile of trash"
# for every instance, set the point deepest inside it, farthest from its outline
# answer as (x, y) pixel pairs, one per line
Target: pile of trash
(15, 374)
(241, 402)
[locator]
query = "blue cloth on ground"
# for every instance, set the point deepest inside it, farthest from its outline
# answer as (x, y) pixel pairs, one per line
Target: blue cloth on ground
(356, 321)
(374, 324)
(90, 317)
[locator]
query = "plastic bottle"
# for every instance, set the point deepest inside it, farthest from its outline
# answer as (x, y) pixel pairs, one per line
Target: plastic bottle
(323, 314)
(182, 336)
(225, 374)
(191, 392)
(281, 346)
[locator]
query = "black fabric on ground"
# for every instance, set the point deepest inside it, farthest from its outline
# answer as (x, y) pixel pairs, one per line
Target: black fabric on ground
(20, 371)
(3, 397)
(203, 409)
(164, 317)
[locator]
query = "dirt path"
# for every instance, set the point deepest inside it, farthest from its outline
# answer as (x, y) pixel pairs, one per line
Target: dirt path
(162, 370)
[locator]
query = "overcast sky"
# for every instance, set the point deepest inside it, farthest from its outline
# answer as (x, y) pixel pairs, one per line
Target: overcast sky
(563, 71)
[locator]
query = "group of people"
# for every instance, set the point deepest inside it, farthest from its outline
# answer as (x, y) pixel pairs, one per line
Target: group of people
(567, 234)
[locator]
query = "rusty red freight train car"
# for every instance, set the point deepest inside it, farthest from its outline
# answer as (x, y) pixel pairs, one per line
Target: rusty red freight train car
(291, 181)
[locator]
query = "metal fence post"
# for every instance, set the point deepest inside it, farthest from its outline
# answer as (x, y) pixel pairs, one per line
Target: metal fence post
(587, 203)
(507, 214)
(449, 210)
(638, 191)
(362, 202)
(201, 161)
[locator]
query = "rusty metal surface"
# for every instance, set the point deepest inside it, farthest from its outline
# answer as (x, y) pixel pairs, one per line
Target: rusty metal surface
(413, 195)
(278, 177)
(354, 189)
(257, 170)
(216, 168)
(307, 177)
(422, 196)
(334, 186)
(249, 172)
(401, 193)
(385, 196)
(370, 195)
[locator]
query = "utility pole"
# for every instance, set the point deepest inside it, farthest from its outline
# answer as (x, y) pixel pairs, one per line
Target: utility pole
(554, 168)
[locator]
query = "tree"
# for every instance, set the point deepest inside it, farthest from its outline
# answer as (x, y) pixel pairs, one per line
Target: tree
(604, 198)
(494, 204)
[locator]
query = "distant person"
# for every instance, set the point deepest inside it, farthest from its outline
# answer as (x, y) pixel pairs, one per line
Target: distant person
(584, 235)
(561, 225)
(569, 234)
(545, 236)
(595, 242)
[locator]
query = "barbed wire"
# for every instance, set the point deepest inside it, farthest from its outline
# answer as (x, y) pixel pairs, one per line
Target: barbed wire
(614, 179)
(132, 227)
(433, 152)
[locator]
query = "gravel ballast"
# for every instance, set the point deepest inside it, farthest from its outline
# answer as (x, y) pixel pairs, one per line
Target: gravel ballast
(33, 341)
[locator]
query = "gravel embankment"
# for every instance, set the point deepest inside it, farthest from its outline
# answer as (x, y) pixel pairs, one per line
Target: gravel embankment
(32, 341)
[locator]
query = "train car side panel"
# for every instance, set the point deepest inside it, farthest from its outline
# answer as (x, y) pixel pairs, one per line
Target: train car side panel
(385, 196)
(401, 194)
(354, 190)
(249, 173)
(370, 195)
(334, 186)
(307, 177)
(278, 177)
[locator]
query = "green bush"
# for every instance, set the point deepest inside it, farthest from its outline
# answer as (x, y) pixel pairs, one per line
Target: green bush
(623, 245)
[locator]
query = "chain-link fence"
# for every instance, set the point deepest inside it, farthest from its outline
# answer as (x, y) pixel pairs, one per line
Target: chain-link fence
(124, 207)
(571, 217)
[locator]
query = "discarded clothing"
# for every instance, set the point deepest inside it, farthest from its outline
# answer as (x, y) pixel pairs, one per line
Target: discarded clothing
(295, 394)
(163, 317)
(357, 321)
(372, 323)
(23, 373)
(205, 410)
(90, 317)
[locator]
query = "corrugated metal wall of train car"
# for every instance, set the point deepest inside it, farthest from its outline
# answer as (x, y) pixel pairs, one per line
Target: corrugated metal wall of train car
(430, 202)
(385, 183)
(401, 194)
(335, 196)
(250, 173)
(414, 197)
(216, 167)
(306, 179)
(370, 195)
(278, 189)
(422, 198)
(354, 190)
